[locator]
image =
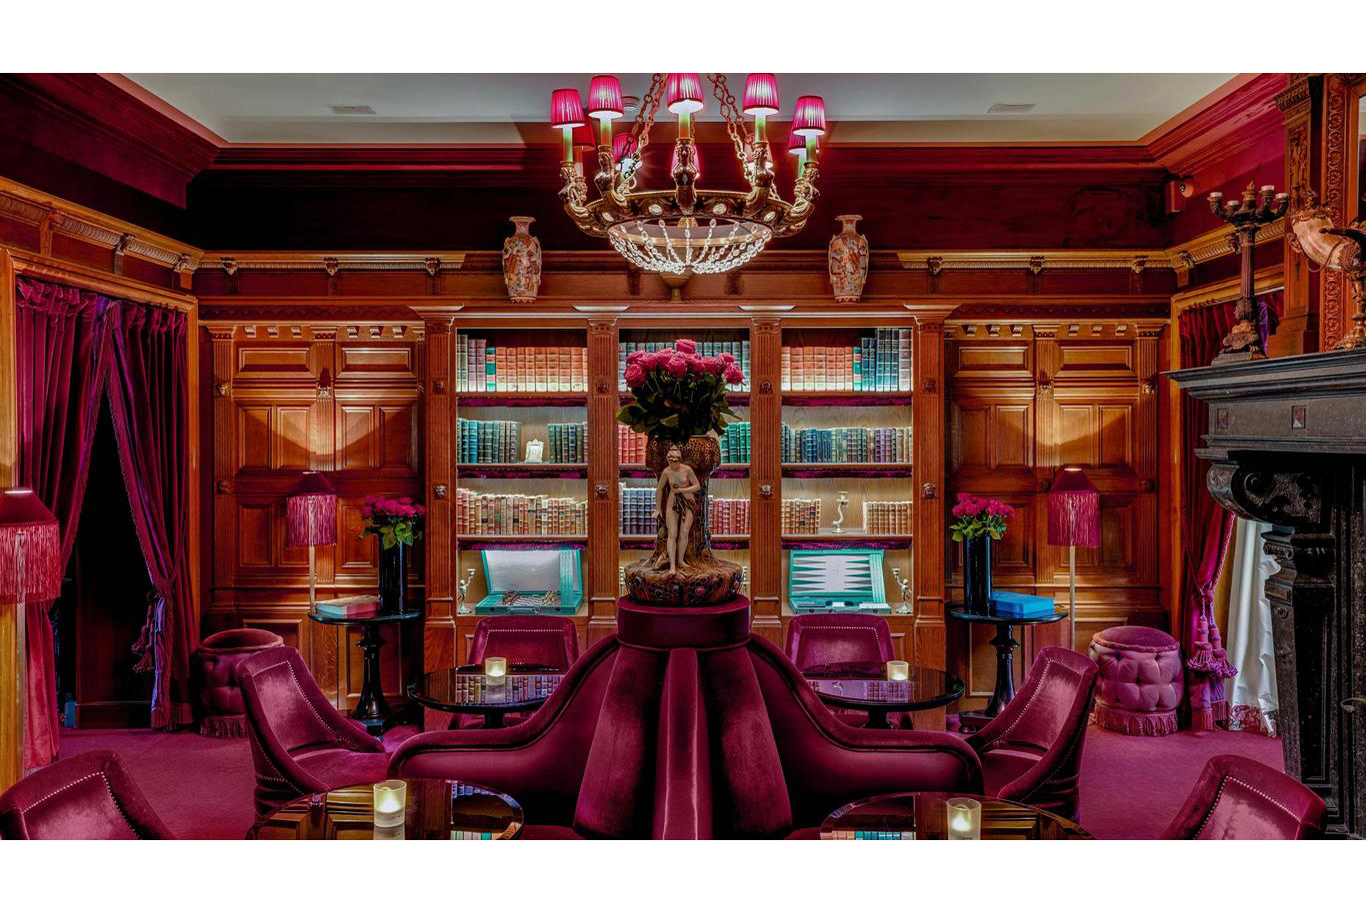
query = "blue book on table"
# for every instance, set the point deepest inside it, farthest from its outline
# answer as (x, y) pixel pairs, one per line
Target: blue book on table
(1021, 605)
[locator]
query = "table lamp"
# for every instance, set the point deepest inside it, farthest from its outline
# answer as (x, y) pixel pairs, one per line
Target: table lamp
(30, 568)
(1073, 519)
(311, 518)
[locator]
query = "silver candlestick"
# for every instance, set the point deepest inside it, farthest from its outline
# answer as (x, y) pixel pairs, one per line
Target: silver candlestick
(462, 587)
(905, 592)
(842, 501)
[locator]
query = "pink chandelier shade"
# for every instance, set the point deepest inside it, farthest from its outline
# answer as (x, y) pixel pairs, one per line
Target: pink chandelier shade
(623, 146)
(311, 511)
(566, 109)
(762, 95)
(684, 93)
(582, 137)
(30, 548)
(796, 144)
(605, 101)
(810, 119)
(1073, 510)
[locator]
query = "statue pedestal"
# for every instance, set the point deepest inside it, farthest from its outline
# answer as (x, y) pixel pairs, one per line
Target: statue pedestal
(695, 627)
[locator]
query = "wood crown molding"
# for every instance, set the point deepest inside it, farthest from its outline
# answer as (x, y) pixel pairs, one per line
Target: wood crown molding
(54, 270)
(1268, 279)
(1224, 128)
(431, 262)
(59, 216)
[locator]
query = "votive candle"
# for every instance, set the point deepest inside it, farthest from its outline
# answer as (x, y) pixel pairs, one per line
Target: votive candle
(496, 666)
(896, 670)
(963, 819)
(387, 803)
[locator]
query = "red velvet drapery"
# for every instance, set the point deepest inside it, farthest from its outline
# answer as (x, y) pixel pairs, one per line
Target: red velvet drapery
(71, 343)
(149, 399)
(62, 358)
(1206, 528)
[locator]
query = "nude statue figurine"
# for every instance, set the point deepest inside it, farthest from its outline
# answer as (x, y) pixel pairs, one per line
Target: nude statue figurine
(676, 503)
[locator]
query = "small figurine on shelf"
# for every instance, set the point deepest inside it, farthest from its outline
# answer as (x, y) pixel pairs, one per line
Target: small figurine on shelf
(677, 505)
(462, 587)
(532, 453)
(905, 593)
(842, 501)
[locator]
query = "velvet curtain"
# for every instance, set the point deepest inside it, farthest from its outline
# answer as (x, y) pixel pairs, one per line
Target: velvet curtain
(62, 359)
(1205, 531)
(72, 344)
(149, 399)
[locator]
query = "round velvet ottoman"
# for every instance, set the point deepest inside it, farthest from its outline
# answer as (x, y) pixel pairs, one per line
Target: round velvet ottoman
(1141, 680)
(214, 666)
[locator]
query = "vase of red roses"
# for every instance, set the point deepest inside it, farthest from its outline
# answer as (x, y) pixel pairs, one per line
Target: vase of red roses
(977, 522)
(396, 523)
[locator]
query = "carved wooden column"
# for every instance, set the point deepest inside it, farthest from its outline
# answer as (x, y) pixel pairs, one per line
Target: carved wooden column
(1287, 442)
(766, 482)
(1301, 105)
(440, 647)
(1340, 144)
(221, 464)
(930, 483)
(602, 450)
(1046, 459)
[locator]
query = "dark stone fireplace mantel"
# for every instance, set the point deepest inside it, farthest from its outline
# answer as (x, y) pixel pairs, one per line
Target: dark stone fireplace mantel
(1286, 439)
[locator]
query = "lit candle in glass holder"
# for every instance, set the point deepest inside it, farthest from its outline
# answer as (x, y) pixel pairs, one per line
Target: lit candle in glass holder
(387, 803)
(496, 667)
(963, 819)
(896, 670)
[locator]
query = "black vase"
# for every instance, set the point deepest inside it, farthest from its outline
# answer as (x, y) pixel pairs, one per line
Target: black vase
(392, 580)
(978, 577)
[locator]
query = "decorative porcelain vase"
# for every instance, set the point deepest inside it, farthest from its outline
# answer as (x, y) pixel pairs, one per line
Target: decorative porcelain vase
(705, 580)
(522, 262)
(848, 260)
(977, 579)
(393, 580)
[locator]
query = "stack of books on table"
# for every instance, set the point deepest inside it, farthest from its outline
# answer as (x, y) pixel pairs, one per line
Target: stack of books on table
(349, 607)
(519, 369)
(882, 363)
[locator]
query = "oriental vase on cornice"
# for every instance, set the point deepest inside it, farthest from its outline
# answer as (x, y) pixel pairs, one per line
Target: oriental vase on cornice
(522, 260)
(684, 229)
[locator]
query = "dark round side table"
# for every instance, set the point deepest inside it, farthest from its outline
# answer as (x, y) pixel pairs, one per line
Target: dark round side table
(924, 689)
(465, 689)
(434, 809)
(371, 711)
(923, 816)
(1004, 645)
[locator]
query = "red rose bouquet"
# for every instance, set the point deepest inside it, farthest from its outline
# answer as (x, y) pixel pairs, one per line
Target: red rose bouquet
(395, 521)
(677, 393)
(976, 516)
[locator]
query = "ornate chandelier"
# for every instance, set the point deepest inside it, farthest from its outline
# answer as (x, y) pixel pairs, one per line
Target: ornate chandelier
(685, 229)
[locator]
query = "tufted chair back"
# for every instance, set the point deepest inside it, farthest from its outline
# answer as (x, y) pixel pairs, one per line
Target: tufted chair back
(834, 643)
(538, 639)
(86, 797)
(1240, 799)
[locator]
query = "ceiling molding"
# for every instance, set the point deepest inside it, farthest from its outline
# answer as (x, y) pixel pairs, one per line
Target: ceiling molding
(1226, 127)
(431, 262)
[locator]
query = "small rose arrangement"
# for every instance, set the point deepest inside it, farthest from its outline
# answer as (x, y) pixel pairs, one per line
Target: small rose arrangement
(395, 520)
(976, 516)
(677, 393)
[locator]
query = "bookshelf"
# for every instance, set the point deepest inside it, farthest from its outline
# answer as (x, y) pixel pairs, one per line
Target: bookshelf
(754, 480)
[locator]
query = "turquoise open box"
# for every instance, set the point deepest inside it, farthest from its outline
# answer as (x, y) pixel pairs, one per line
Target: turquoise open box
(531, 581)
(838, 580)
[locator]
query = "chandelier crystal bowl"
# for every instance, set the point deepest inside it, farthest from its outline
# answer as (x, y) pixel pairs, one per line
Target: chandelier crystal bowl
(684, 229)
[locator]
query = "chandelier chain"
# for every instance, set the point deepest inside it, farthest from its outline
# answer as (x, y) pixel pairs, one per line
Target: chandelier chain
(732, 117)
(642, 128)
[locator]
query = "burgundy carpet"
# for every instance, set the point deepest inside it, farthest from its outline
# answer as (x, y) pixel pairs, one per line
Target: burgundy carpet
(1130, 787)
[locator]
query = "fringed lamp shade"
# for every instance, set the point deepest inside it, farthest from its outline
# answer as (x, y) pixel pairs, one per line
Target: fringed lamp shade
(1073, 510)
(311, 512)
(30, 548)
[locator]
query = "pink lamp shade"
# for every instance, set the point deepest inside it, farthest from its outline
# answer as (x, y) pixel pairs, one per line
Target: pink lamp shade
(1073, 510)
(30, 548)
(762, 95)
(809, 116)
(606, 98)
(566, 109)
(796, 144)
(684, 93)
(623, 146)
(582, 138)
(311, 512)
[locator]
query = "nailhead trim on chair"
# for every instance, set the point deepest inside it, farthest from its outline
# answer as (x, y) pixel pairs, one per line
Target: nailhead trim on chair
(109, 789)
(1217, 797)
(1036, 689)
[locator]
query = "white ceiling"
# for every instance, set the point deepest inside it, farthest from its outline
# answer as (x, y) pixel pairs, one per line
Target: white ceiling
(449, 108)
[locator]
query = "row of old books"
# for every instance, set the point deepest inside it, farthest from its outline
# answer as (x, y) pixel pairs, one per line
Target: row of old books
(636, 510)
(881, 363)
(481, 514)
(489, 441)
(632, 447)
(845, 445)
(730, 516)
(735, 443)
(887, 518)
(566, 442)
(483, 368)
(800, 516)
(740, 351)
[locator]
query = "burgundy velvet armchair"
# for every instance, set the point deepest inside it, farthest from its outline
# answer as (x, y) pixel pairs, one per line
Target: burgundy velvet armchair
(685, 726)
(834, 646)
(1031, 750)
(539, 639)
(1240, 799)
(300, 742)
(85, 797)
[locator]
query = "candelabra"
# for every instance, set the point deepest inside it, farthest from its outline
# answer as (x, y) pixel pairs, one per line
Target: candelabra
(1313, 233)
(462, 587)
(1247, 215)
(905, 593)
